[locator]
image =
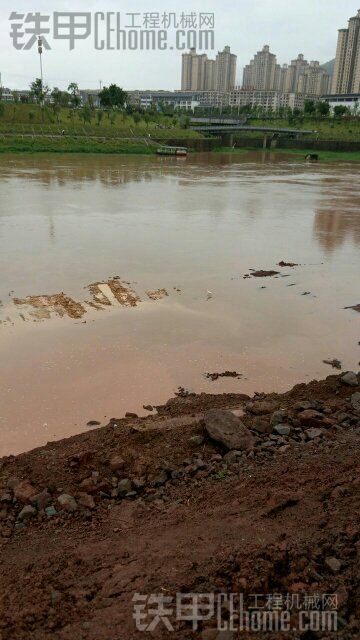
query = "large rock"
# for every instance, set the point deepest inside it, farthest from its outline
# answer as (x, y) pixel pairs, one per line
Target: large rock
(225, 428)
(350, 378)
(68, 503)
(282, 429)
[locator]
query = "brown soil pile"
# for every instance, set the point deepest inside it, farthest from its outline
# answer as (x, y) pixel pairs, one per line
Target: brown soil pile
(59, 303)
(121, 291)
(215, 493)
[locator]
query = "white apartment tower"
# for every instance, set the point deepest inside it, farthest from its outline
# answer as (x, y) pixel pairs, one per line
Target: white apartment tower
(225, 70)
(295, 69)
(198, 73)
(260, 74)
(346, 78)
(193, 71)
(314, 81)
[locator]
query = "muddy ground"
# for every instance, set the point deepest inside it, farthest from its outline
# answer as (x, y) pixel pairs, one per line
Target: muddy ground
(214, 493)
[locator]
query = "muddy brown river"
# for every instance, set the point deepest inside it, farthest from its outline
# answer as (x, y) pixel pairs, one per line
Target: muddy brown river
(123, 278)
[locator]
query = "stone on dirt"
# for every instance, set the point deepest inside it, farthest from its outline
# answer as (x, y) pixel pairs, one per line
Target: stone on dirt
(227, 430)
(124, 487)
(116, 463)
(282, 429)
(86, 501)
(24, 491)
(350, 378)
(196, 441)
(313, 433)
(333, 564)
(278, 416)
(355, 401)
(27, 512)
(67, 502)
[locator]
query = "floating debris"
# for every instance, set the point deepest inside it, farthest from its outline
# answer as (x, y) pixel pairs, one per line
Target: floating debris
(335, 363)
(224, 374)
(261, 273)
(287, 264)
(158, 294)
(355, 307)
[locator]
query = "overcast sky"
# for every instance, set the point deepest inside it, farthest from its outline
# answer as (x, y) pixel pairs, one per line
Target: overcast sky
(288, 26)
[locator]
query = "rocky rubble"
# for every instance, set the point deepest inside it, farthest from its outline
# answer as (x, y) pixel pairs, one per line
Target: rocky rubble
(224, 443)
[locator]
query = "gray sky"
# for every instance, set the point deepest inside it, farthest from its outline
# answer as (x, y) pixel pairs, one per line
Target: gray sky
(288, 26)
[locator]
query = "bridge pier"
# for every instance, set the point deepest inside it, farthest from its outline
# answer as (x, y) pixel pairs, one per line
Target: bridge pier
(227, 139)
(265, 142)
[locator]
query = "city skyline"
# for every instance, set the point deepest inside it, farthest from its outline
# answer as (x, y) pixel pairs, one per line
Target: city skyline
(301, 26)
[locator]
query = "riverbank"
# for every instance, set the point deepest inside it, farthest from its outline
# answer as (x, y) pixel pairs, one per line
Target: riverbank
(213, 493)
(324, 156)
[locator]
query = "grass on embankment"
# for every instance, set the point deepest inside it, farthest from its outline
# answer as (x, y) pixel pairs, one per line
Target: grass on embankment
(324, 156)
(17, 144)
(15, 120)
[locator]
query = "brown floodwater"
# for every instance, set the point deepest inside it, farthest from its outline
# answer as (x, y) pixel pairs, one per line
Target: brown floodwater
(193, 227)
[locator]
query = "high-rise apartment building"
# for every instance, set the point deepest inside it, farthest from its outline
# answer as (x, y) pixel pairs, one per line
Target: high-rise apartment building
(281, 73)
(295, 69)
(210, 72)
(346, 78)
(314, 80)
(201, 74)
(225, 70)
(193, 71)
(260, 73)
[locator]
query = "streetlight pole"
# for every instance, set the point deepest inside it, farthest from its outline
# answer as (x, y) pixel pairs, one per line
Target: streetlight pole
(40, 50)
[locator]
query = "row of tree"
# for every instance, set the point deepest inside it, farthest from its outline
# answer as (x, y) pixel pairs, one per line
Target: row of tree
(110, 97)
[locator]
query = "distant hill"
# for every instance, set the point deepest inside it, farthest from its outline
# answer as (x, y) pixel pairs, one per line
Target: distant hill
(329, 66)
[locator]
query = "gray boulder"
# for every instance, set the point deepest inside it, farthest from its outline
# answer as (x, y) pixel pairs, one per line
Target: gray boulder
(227, 430)
(350, 378)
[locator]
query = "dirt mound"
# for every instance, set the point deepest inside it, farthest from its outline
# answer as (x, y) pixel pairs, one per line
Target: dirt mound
(155, 506)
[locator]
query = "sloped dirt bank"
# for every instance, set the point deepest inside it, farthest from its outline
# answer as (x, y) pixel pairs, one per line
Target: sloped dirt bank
(213, 494)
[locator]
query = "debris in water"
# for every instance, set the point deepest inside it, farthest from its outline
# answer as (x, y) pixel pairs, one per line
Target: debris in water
(355, 307)
(224, 374)
(158, 294)
(335, 363)
(287, 264)
(261, 273)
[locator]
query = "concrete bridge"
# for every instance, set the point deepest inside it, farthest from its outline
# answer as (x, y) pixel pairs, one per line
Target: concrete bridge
(227, 127)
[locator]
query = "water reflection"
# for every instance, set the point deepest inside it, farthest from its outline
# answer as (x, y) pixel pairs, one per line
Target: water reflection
(337, 220)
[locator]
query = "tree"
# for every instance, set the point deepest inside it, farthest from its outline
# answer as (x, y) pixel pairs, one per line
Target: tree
(136, 117)
(39, 91)
(2, 110)
(31, 116)
(73, 89)
(56, 96)
(340, 110)
(99, 116)
(112, 97)
(86, 114)
(309, 107)
(323, 108)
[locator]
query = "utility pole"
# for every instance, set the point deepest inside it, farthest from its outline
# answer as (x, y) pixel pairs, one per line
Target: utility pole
(40, 50)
